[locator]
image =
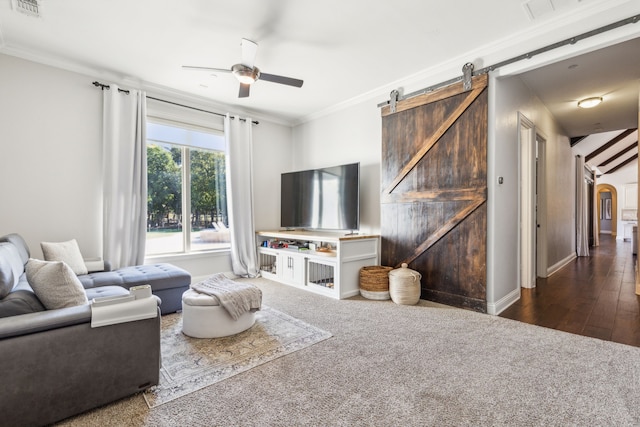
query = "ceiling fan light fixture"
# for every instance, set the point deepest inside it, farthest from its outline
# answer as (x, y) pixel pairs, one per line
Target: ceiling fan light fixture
(590, 102)
(244, 74)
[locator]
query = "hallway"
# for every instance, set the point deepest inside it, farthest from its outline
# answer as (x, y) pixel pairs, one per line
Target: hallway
(592, 296)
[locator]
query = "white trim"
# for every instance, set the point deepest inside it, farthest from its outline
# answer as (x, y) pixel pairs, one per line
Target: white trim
(154, 259)
(541, 212)
(557, 266)
(527, 249)
(503, 303)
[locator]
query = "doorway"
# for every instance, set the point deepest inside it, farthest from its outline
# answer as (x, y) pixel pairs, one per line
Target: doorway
(527, 203)
(532, 242)
(607, 215)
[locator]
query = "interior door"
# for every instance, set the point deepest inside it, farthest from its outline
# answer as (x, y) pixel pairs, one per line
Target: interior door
(434, 191)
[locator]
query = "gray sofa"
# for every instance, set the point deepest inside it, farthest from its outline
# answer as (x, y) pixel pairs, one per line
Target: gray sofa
(167, 282)
(55, 365)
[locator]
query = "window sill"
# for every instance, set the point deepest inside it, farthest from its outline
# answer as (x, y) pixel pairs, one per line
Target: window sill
(153, 259)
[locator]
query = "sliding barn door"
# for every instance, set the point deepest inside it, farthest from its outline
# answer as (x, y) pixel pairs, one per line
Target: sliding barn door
(434, 192)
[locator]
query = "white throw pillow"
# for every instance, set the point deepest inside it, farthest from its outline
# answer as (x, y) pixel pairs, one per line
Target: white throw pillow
(68, 252)
(55, 284)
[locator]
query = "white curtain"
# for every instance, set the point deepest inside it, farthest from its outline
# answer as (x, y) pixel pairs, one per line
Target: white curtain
(124, 177)
(582, 223)
(240, 196)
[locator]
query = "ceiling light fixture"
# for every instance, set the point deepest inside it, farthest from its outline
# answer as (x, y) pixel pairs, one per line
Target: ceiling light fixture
(244, 74)
(590, 102)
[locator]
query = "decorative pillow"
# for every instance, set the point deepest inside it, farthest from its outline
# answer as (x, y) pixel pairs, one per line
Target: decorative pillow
(11, 268)
(55, 284)
(69, 252)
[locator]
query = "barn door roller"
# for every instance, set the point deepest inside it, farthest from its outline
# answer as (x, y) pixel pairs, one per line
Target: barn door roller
(394, 97)
(467, 73)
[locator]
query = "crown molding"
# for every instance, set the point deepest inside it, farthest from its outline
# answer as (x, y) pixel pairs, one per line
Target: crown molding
(573, 21)
(107, 77)
(576, 20)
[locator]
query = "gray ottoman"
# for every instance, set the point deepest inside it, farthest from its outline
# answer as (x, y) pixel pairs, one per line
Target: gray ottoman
(167, 282)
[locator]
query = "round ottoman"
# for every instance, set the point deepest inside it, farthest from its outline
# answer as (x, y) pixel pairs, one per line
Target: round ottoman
(203, 317)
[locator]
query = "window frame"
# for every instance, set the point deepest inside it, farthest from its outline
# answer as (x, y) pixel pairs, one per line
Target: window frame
(162, 113)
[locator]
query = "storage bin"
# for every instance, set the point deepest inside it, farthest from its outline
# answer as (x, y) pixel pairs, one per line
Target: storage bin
(374, 282)
(404, 285)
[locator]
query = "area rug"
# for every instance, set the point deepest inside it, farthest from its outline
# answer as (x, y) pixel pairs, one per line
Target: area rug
(190, 364)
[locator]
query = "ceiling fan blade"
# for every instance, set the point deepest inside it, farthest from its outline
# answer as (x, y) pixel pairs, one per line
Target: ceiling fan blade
(249, 50)
(281, 79)
(244, 90)
(195, 67)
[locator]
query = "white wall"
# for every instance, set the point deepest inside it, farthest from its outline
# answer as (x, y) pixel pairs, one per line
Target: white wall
(507, 97)
(51, 151)
(351, 135)
(272, 155)
(50, 145)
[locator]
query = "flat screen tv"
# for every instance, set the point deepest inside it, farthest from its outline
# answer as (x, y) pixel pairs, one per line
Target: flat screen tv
(321, 199)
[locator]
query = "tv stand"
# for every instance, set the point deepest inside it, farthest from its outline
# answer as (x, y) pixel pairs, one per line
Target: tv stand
(331, 268)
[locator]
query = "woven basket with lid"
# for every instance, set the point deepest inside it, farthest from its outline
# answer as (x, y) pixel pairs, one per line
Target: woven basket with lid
(404, 285)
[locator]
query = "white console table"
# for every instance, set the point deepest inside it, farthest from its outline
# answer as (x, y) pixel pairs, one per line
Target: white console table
(335, 274)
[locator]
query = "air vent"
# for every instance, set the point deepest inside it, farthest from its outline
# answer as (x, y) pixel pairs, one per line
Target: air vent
(538, 8)
(28, 7)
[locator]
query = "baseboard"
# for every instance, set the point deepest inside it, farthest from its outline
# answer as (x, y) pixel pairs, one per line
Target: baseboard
(557, 266)
(503, 303)
(459, 301)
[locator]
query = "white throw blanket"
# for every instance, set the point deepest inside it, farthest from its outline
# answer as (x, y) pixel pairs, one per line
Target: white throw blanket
(237, 298)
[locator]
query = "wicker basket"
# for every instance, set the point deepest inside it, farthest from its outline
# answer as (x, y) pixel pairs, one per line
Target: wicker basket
(404, 285)
(374, 282)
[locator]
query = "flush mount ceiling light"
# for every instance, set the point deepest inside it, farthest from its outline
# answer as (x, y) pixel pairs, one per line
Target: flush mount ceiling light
(590, 102)
(245, 75)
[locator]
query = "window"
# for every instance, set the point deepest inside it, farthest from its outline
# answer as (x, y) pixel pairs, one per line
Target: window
(187, 200)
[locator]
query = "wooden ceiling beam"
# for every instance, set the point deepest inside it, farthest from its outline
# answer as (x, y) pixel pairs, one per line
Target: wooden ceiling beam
(609, 144)
(625, 163)
(621, 153)
(575, 139)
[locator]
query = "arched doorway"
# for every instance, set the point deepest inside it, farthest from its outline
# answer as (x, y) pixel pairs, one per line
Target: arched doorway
(607, 188)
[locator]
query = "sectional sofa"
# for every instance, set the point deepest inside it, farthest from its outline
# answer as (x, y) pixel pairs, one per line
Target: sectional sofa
(55, 364)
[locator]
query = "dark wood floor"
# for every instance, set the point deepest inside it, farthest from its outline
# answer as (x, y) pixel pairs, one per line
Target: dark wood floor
(592, 296)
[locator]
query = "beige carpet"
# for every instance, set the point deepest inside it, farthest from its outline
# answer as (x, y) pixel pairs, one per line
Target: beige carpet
(424, 365)
(189, 364)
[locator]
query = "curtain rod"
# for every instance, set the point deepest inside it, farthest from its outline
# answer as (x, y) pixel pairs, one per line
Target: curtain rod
(103, 86)
(572, 40)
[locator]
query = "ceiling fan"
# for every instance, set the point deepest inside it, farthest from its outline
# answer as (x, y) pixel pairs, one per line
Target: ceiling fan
(247, 73)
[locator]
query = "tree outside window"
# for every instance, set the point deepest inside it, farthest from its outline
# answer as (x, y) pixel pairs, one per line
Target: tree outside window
(185, 178)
